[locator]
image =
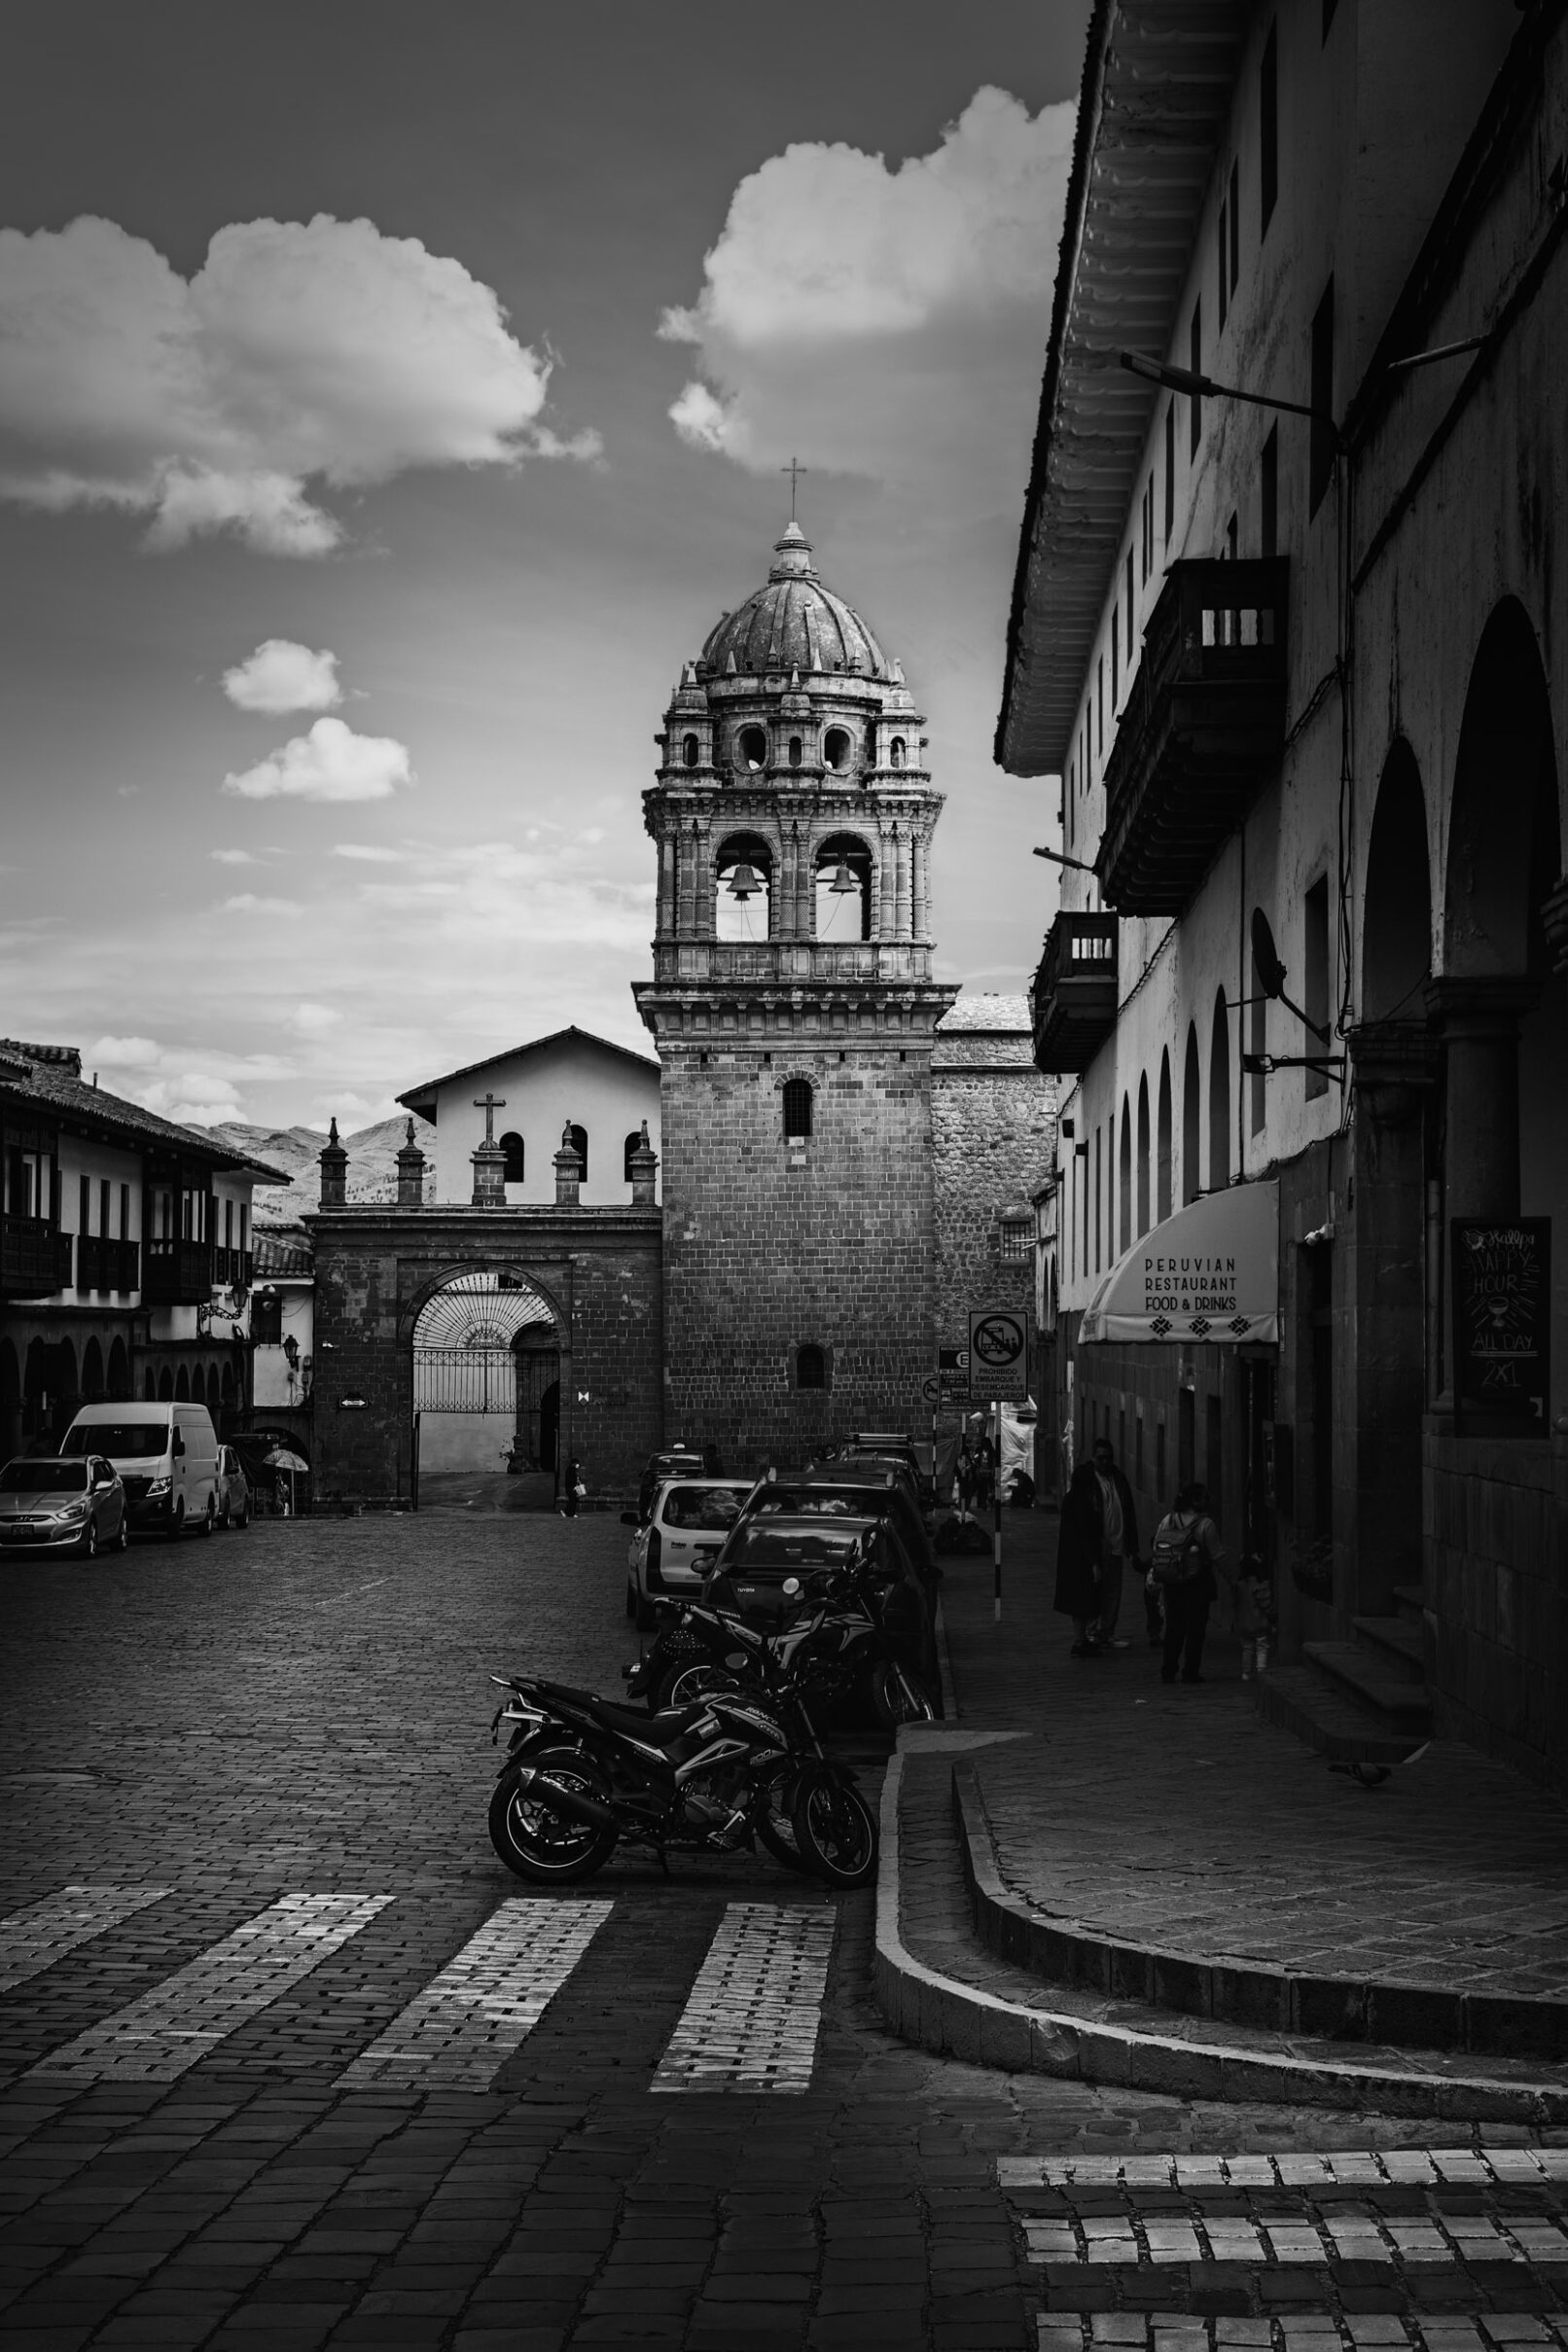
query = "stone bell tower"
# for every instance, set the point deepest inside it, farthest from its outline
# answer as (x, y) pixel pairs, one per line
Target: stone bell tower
(793, 1008)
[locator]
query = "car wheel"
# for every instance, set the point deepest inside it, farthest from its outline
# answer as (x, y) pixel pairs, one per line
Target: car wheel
(223, 1517)
(90, 1540)
(210, 1521)
(123, 1538)
(244, 1519)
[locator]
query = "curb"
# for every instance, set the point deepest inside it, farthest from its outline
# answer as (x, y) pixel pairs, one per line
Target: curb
(1335, 2009)
(953, 2019)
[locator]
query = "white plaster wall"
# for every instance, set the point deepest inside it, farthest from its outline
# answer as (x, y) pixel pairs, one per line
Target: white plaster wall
(575, 1080)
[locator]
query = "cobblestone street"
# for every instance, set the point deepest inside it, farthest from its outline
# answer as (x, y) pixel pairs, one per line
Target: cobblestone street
(252, 2092)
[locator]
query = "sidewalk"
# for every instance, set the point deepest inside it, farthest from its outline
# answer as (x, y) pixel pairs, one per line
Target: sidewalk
(1167, 1849)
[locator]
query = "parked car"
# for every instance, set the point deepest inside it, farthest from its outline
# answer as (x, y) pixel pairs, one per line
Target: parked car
(681, 1462)
(233, 1489)
(677, 1542)
(850, 1487)
(762, 1553)
(50, 1505)
(166, 1456)
(894, 1446)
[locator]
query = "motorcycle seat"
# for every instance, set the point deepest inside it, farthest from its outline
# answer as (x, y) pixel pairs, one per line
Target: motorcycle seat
(636, 1724)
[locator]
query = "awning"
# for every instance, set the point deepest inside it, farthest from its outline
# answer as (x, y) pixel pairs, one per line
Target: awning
(1211, 1272)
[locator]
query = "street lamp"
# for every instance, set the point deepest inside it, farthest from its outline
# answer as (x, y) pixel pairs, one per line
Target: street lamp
(1204, 387)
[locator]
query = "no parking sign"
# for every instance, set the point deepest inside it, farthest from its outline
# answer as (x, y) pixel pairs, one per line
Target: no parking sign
(998, 1353)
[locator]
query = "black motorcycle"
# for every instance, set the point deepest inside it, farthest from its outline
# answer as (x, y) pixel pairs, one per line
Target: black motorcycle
(720, 1774)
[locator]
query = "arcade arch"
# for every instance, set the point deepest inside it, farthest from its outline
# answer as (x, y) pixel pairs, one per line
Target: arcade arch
(487, 1378)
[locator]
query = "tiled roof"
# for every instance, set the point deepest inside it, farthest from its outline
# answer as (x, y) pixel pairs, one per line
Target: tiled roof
(997, 1014)
(289, 1251)
(53, 1080)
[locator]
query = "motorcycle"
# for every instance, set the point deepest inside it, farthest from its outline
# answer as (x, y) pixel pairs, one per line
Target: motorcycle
(724, 1772)
(843, 1647)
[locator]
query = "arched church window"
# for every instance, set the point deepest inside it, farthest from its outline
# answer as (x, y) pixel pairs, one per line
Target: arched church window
(579, 1137)
(794, 751)
(753, 747)
(633, 1141)
(512, 1145)
(691, 751)
(836, 747)
(895, 752)
(811, 1368)
(796, 1110)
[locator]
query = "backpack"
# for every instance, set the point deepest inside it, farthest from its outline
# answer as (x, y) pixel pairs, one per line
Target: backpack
(1178, 1554)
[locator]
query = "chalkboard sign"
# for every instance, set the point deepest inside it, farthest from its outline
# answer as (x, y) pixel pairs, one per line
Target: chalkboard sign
(1501, 1325)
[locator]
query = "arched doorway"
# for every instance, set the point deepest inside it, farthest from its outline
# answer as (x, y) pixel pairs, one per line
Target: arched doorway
(165, 1386)
(92, 1372)
(1220, 1097)
(118, 1370)
(182, 1386)
(487, 1375)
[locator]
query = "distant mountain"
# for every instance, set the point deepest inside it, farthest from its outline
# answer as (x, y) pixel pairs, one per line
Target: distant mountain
(372, 1164)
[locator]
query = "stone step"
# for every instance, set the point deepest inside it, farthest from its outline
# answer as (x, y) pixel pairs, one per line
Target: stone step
(1396, 1643)
(1411, 1602)
(1404, 1707)
(1325, 1717)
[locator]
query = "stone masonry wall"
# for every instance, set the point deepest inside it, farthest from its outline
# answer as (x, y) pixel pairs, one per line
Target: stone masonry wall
(599, 1269)
(993, 1119)
(769, 1249)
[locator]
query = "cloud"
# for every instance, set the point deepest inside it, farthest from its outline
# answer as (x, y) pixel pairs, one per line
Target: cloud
(367, 853)
(314, 1020)
(882, 322)
(193, 1099)
(280, 675)
(329, 764)
(301, 353)
(124, 1053)
(235, 856)
(247, 903)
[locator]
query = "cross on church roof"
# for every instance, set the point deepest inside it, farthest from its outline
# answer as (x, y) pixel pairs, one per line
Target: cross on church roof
(489, 1104)
(794, 470)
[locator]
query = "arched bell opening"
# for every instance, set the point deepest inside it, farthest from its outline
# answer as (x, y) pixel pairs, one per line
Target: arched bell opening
(843, 879)
(743, 888)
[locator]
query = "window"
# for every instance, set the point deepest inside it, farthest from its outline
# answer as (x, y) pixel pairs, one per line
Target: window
(1220, 1097)
(125, 1217)
(752, 747)
(244, 1225)
(1099, 1171)
(633, 1147)
(1099, 705)
(228, 1225)
(1320, 449)
(1132, 618)
(1170, 475)
(579, 1137)
(1143, 1158)
(794, 751)
(1016, 1240)
(104, 1190)
(796, 1110)
(811, 1368)
(1316, 976)
(266, 1319)
(84, 1204)
(512, 1145)
(1268, 492)
(1124, 1221)
(895, 752)
(691, 751)
(1194, 360)
(1147, 534)
(1269, 129)
(835, 748)
(1116, 659)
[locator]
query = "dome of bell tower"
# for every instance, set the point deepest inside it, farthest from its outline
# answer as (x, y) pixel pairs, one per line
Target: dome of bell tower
(794, 624)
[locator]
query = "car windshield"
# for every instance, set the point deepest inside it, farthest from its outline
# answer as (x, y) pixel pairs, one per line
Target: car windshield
(788, 1548)
(815, 1502)
(44, 1478)
(712, 1507)
(120, 1441)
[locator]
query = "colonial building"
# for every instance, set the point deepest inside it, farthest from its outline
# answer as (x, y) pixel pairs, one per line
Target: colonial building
(125, 1261)
(1282, 633)
(847, 1155)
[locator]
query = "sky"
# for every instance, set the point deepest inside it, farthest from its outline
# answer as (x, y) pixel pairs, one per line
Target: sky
(391, 398)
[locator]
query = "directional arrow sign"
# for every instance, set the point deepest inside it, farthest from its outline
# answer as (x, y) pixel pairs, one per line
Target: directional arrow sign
(998, 1353)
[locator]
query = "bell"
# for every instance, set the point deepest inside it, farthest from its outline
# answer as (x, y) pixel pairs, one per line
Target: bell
(744, 882)
(843, 883)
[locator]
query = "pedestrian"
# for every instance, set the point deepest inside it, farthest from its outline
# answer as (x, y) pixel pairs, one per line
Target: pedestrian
(1253, 1601)
(1118, 1540)
(572, 1489)
(1187, 1552)
(964, 1475)
(1079, 1552)
(984, 1470)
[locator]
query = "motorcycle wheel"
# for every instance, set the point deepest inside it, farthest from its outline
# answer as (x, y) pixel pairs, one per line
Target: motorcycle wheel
(774, 1827)
(835, 1830)
(543, 1847)
(684, 1686)
(900, 1696)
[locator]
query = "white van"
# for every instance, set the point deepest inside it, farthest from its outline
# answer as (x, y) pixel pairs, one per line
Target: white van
(166, 1456)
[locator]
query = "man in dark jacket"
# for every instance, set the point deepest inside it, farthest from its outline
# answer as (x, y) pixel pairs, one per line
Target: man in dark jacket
(1118, 1540)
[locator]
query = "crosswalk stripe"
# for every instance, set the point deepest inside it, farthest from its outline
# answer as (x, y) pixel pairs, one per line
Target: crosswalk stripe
(1350, 2239)
(1302, 2332)
(34, 1939)
(751, 2021)
(1403, 2167)
(459, 2029)
(158, 2037)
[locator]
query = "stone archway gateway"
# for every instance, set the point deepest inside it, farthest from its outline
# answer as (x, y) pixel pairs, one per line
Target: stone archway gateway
(487, 1375)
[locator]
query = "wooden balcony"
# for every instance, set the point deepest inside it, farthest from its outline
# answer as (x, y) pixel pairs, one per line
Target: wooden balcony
(1203, 727)
(178, 1273)
(1073, 994)
(35, 1257)
(105, 1265)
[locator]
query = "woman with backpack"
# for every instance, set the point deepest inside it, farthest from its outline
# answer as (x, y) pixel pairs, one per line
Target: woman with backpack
(1187, 1552)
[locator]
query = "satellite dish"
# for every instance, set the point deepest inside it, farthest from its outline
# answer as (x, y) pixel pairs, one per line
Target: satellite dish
(1264, 958)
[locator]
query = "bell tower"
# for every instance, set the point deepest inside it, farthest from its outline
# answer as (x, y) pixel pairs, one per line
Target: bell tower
(793, 1008)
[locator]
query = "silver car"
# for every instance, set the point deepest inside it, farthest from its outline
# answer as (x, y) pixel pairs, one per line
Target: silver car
(233, 1489)
(77, 1504)
(678, 1542)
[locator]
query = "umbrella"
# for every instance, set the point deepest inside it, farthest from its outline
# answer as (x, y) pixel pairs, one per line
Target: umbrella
(282, 1457)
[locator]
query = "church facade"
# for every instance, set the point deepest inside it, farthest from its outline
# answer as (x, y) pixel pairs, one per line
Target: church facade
(833, 1161)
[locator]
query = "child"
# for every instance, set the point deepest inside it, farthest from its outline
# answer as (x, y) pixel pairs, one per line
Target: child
(1253, 1614)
